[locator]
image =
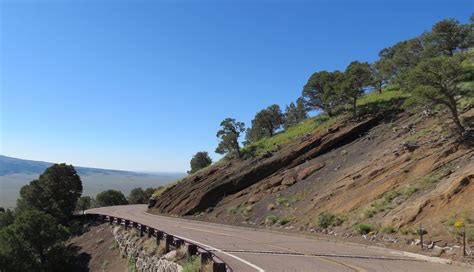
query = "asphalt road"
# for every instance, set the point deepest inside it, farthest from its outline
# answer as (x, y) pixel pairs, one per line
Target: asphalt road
(246, 249)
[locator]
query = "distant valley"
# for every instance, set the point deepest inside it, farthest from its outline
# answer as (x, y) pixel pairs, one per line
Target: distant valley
(14, 173)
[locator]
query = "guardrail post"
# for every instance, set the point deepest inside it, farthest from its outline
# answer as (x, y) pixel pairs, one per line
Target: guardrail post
(141, 230)
(178, 243)
(134, 225)
(111, 220)
(218, 267)
(192, 250)
(126, 224)
(205, 258)
(150, 231)
(168, 242)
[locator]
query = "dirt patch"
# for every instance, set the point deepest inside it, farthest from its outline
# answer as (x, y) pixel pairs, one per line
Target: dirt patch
(99, 244)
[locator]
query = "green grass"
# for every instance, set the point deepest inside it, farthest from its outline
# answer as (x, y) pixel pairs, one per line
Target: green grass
(436, 175)
(385, 96)
(386, 202)
(287, 201)
(132, 264)
(193, 264)
(270, 144)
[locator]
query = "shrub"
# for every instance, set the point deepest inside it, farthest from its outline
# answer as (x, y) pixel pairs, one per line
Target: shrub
(283, 221)
(271, 219)
(408, 191)
(362, 228)
(99, 241)
(132, 264)
(388, 229)
(233, 210)
(407, 231)
(192, 264)
(325, 220)
(181, 252)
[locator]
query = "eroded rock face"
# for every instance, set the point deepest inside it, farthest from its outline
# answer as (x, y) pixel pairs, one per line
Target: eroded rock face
(197, 193)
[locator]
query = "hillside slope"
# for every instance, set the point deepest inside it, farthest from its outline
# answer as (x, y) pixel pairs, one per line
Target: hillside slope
(392, 171)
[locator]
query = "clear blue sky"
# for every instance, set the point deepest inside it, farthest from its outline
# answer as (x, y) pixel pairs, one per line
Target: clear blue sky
(142, 85)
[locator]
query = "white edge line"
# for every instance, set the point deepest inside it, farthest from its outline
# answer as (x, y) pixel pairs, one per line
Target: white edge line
(218, 250)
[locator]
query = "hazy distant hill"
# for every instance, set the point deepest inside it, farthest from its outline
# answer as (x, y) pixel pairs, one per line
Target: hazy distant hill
(14, 173)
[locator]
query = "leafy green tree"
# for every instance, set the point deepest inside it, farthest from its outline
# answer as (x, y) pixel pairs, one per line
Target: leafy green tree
(137, 196)
(111, 198)
(229, 134)
(150, 191)
(33, 242)
(199, 161)
(320, 91)
(438, 81)
(84, 203)
(55, 192)
(401, 57)
(447, 37)
(6, 218)
(381, 70)
(357, 77)
(265, 123)
(295, 114)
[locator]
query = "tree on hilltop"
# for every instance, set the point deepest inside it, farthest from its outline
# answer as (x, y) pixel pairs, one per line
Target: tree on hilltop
(320, 92)
(357, 77)
(438, 81)
(199, 161)
(295, 114)
(265, 124)
(229, 134)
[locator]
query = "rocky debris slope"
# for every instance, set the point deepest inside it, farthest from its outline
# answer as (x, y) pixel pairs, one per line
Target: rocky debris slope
(384, 176)
(204, 190)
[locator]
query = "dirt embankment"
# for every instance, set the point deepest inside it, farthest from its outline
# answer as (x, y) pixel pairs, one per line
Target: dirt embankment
(101, 250)
(392, 174)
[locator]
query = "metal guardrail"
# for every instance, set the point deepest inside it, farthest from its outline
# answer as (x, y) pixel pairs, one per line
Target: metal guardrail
(218, 265)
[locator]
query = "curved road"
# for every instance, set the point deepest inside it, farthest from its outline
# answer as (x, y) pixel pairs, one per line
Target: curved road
(246, 249)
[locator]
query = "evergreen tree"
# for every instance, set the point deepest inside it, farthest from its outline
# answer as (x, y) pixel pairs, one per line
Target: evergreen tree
(229, 134)
(55, 192)
(295, 114)
(320, 92)
(199, 161)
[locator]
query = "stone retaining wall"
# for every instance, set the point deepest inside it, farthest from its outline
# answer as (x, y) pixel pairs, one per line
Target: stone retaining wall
(146, 259)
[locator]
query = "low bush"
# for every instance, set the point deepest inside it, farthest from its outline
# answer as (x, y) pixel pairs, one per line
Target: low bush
(283, 221)
(271, 219)
(193, 264)
(326, 220)
(362, 228)
(388, 229)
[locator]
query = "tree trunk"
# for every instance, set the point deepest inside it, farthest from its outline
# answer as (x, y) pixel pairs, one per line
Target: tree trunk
(354, 106)
(237, 148)
(329, 112)
(455, 115)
